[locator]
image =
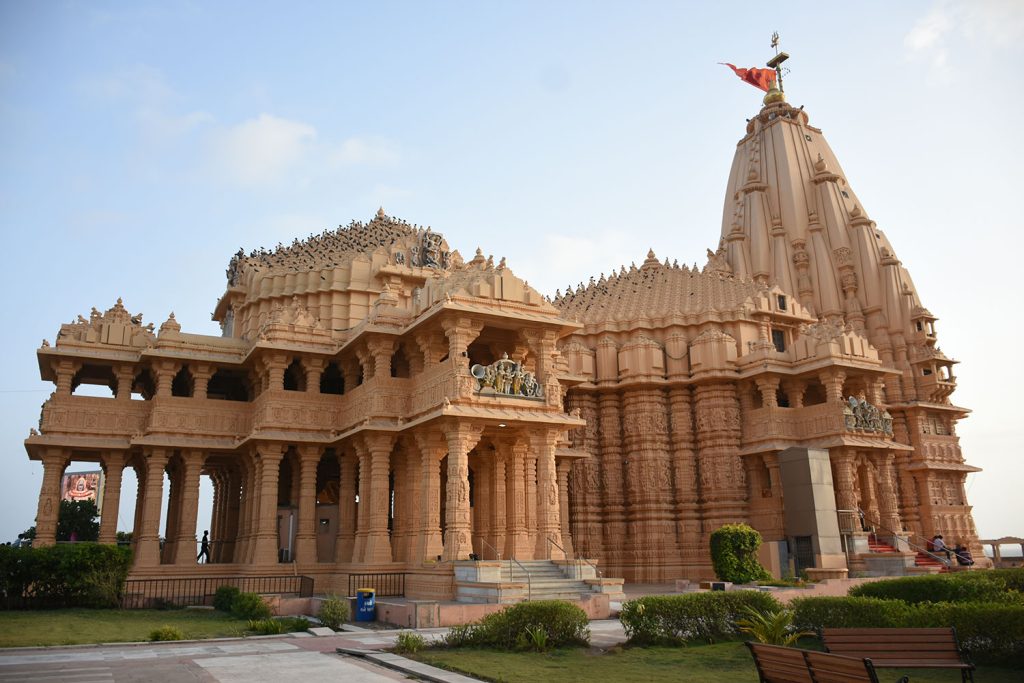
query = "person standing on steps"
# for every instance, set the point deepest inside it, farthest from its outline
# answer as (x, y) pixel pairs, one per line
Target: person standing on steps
(204, 548)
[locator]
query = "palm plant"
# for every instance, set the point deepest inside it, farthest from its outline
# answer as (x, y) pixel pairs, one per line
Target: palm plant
(771, 628)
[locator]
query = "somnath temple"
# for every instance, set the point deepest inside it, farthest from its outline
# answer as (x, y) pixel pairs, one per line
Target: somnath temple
(377, 403)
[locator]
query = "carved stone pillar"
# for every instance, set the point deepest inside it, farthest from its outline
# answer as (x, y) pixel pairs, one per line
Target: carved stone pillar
(461, 332)
(273, 367)
(498, 501)
(227, 542)
(615, 530)
(833, 382)
(530, 474)
(174, 485)
(125, 375)
(147, 552)
(686, 484)
(185, 546)
(217, 517)
(55, 461)
(516, 539)
(887, 503)
(305, 536)
(266, 536)
(564, 466)
(381, 349)
(65, 375)
(201, 376)
(378, 542)
(350, 374)
(462, 438)
(363, 507)
(549, 525)
(164, 375)
(587, 509)
(432, 450)
(769, 388)
(113, 466)
(845, 475)
(723, 481)
(314, 368)
(345, 540)
(409, 496)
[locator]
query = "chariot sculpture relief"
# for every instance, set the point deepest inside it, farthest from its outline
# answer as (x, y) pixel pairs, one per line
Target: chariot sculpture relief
(861, 415)
(507, 377)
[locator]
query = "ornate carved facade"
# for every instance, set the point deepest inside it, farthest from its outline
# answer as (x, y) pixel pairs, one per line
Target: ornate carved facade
(377, 403)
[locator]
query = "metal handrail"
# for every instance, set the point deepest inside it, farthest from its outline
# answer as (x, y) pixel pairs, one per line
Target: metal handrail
(529, 580)
(497, 553)
(579, 559)
(918, 548)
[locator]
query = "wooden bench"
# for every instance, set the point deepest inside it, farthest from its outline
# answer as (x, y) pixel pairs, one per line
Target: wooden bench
(903, 648)
(777, 664)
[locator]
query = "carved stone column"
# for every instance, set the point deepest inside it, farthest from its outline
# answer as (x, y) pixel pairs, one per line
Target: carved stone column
(345, 541)
(833, 381)
(498, 501)
(587, 509)
(363, 506)
(842, 465)
(381, 348)
(65, 374)
(217, 479)
(185, 547)
(266, 536)
(564, 466)
(274, 366)
(305, 536)
(615, 530)
(55, 461)
(530, 486)
(723, 481)
(685, 482)
(517, 541)
(378, 541)
(795, 389)
(174, 484)
(887, 503)
(432, 449)
(227, 542)
(113, 466)
(549, 525)
(164, 375)
(314, 368)
(461, 332)
(769, 388)
(462, 438)
(147, 552)
(125, 375)
(201, 377)
(410, 495)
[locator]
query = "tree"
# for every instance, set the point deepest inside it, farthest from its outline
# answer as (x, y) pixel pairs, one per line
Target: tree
(78, 518)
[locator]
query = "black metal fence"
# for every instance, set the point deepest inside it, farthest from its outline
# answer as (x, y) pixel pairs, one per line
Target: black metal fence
(387, 584)
(140, 593)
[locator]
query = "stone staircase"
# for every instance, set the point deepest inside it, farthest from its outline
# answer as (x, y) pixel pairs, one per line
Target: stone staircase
(546, 580)
(923, 559)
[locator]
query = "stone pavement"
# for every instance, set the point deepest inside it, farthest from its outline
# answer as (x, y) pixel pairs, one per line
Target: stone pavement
(301, 658)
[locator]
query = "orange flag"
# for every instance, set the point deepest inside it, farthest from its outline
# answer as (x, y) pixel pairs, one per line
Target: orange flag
(759, 78)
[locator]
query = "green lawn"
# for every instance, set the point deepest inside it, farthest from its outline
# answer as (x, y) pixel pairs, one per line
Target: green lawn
(720, 663)
(75, 626)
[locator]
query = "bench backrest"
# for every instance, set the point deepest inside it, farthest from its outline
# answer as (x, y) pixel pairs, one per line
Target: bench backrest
(829, 668)
(936, 645)
(778, 664)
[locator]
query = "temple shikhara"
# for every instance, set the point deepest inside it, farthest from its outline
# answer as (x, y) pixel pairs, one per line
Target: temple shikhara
(379, 404)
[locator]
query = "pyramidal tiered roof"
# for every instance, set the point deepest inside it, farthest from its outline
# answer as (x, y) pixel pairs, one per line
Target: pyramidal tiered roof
(657, 290)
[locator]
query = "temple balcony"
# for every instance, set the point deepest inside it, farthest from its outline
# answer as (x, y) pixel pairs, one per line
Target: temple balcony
(93, 416)
(198, 417)
(809, 423)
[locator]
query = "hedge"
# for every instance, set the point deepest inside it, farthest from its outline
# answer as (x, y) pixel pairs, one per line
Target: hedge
(63, 575)
(990, 631)
(987, 586)
(563, 623)
(734, 554)
(691, 617)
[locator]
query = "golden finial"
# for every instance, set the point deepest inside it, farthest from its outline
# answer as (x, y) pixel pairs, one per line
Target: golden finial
(776, 93)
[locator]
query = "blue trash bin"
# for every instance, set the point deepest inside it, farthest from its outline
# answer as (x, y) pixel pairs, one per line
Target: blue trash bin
(366, 606)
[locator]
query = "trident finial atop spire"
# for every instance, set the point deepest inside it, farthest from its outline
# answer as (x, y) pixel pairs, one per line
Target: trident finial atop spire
(776, 61)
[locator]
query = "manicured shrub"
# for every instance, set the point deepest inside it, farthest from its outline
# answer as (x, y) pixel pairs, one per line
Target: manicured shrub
(250, 606)
(1014, 578)
(67, 575)
(333, 612)
(991, 632)
(562, 623)
(734, 554)
(693, 617)
(269, 627)
(961, 587)
(771, 628)
(224, 598)
(409, 641)
(166, 633)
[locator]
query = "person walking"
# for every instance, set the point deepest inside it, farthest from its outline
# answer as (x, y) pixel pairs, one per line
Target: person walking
(204, 548)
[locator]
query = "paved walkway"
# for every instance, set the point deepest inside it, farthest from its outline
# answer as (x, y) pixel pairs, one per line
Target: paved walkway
(300, 657)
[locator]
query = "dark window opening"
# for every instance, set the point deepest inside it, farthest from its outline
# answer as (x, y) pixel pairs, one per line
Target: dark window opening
(920, 327)
(782, 302)
(98, 381)
(779, 340)
(295, 377)
(144, 385)
(814, 394)
(182, 384)
(332, 381)
(400, 363)
(228, 385)
(781, 398)
(926, 371)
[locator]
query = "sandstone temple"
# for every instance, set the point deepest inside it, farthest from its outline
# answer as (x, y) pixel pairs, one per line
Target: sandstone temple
(379, 404)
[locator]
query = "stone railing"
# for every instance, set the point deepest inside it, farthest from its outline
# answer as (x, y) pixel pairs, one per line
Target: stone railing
(431, 388)
(281, 410)
(793, 424)
(199, 417)
(94, 416)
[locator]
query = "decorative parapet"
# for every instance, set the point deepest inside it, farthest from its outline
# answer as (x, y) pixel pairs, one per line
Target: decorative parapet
(115, 326)
(507, 378)
(859, 415)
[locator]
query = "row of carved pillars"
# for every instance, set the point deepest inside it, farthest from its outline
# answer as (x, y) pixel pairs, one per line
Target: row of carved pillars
(665, 472)
(867, 480)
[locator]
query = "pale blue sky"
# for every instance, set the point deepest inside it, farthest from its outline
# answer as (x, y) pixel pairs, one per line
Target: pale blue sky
(142, 143)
